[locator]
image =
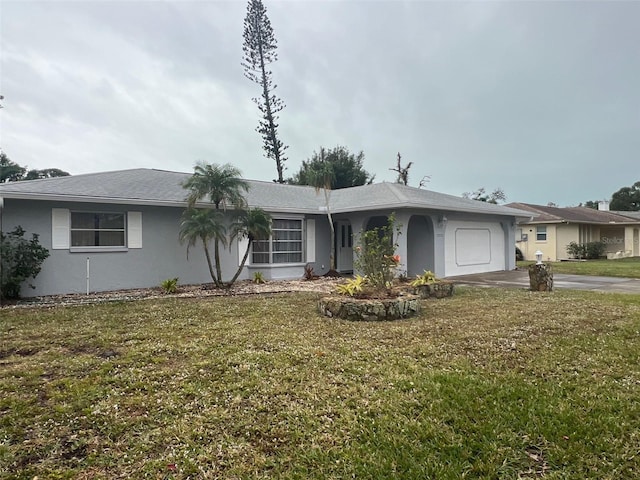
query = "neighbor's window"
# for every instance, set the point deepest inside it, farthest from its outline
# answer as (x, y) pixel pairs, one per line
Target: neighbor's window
(284, 246)
(97, 229)
(541, 234)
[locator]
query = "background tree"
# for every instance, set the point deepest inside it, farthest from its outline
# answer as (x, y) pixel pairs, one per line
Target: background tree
(252, 224)
(403, 172)
(626, 199)
(259, 49)
(481, 195)
(347, 169)
(224, 188)
(590, 204)
(45, 173)
(12, 172)
(9, 170)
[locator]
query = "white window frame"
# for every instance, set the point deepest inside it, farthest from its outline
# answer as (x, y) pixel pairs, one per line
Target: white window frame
(541, 230)
(271, 251)
(61, 231)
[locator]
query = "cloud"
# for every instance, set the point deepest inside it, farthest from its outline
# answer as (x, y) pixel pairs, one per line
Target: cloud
(522, 96)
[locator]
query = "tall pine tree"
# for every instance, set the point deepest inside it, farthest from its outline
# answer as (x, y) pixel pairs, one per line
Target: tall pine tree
(259, 49)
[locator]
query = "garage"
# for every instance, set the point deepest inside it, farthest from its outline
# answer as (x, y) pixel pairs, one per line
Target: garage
(474, 247)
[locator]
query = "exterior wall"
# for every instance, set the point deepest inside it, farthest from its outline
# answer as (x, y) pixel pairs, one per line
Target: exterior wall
(565, 233)
(161, 256)
(548, 247)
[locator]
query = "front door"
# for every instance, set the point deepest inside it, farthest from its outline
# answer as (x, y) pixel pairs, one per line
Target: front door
(344, 247)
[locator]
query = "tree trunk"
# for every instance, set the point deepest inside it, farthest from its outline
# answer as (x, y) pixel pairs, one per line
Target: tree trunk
(216, 254)
(540, 277)
(206, 253)
(244, 260)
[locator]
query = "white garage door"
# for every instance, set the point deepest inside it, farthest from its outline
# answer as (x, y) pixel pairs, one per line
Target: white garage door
(473, 247)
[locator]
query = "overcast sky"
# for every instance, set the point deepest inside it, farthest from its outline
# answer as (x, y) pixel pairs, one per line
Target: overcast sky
(541, 99)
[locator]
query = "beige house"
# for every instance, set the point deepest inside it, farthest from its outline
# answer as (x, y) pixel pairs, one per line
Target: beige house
(551, 229)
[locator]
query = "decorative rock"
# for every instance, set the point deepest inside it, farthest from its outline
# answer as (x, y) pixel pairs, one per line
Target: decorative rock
(370, 309)
(434, 290)
(541, 277)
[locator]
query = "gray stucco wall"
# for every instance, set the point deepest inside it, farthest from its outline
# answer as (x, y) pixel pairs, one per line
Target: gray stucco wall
(161, 256)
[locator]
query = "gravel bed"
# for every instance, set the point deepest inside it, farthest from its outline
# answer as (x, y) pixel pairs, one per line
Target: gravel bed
(244, 287)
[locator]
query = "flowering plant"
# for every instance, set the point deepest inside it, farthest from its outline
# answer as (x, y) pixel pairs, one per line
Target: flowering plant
(375, 254)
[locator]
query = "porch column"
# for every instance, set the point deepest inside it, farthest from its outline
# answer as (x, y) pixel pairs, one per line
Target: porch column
(358, 225)
(401, 238)
(439, 227)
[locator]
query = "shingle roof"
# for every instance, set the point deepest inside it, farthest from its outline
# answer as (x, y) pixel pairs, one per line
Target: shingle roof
(546, 214)
(634, 215)
(161, 187)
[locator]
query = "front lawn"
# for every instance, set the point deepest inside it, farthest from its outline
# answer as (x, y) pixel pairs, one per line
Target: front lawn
(623, 267)
(490, 383)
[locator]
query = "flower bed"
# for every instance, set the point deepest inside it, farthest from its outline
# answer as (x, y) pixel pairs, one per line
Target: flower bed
(349, 308)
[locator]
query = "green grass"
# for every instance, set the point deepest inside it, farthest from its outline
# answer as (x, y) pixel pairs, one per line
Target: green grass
(623, 267)
(491, 383)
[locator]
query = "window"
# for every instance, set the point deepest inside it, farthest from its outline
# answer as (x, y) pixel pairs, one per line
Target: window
(97, 229)
(541, 234)
(284, 246)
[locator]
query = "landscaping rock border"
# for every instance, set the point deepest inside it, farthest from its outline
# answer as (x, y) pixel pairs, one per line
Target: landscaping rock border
(348, 308)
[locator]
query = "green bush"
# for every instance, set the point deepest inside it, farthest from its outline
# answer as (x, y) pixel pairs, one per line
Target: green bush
(21, 260)
(352, 287)
(170, 285)
(258, 277)
(595, 250)
(427, 278)
(591, 250)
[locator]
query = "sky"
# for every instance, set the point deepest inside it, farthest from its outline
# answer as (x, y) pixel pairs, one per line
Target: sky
(540, 99)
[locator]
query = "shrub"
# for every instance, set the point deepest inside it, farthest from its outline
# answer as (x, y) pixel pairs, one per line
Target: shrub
(595, 250)
(591, 250)
(352, 286)
(576, 250)
(258, 277)
(375, 255)
(309, 274)
(427, 278)
(170, 285)
(21, 260)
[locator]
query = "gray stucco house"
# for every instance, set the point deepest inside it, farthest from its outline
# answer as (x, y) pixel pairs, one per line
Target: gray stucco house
(121, 229)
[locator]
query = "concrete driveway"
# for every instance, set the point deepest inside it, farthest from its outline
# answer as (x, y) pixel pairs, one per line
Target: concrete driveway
(520, 279)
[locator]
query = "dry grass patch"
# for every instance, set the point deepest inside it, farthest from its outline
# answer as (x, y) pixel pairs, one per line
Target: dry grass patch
(490, 383)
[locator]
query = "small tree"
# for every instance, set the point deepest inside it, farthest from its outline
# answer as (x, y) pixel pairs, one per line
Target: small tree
(224, 187)
(375, 254)
(20, 260)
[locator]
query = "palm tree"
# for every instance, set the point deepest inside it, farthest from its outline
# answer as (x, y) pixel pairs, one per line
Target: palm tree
(254, 224)
(322, 177)
(221, 183)
(204, 225)
(223, 186)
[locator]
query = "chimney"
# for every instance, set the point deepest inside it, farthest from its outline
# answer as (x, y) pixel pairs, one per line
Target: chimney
(603, 205)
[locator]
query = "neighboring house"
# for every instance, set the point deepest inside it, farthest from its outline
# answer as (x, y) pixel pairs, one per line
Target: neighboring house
(551, 229)
(117, 230)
